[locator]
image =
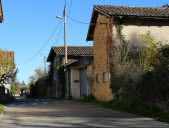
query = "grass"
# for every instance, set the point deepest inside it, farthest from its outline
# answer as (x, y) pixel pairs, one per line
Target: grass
(132, 107)
(1, 109)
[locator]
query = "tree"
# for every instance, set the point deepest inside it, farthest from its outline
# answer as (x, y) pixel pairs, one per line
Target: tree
(38, 74)
(6, 66)
(14, 87)
(38, 83)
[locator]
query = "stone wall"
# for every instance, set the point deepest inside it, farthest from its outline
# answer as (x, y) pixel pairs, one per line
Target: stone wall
(107, 31)
(102, 46)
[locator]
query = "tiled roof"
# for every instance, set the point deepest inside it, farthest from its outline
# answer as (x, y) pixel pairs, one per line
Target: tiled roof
(159, 13)
(74, 50)
(133, 11)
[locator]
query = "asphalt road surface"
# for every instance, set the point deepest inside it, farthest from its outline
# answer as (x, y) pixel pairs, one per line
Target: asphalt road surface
(43, 113)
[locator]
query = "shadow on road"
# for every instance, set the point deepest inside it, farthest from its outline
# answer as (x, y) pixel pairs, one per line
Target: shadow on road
(62, 113)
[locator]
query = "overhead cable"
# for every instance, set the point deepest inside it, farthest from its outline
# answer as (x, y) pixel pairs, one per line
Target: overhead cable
(76, 20)
(43, 45)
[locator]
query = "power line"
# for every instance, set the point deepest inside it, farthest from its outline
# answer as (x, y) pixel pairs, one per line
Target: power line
(43, 45)
(70, 7)
(76, 20)
(59, 33)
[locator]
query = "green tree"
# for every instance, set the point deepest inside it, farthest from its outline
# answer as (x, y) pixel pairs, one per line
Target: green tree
(150, 54)
(6, 66)
(14, 87)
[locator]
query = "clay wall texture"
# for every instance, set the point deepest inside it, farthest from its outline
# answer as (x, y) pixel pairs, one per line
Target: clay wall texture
(102, 89)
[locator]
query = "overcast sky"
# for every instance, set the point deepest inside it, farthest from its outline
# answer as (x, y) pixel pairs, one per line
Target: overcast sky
(28, 25)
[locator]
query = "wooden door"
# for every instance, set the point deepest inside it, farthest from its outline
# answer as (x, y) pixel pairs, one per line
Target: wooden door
(75, 84)
(83, 82)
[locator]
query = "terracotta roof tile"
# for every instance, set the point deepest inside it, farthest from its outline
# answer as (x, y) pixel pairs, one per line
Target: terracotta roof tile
(126, 11)
(133, 11)
(74, 50)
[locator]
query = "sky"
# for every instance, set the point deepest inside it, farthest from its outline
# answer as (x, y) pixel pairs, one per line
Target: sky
(30, 27)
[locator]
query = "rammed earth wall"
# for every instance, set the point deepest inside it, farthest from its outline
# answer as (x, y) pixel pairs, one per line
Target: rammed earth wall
(102, 45)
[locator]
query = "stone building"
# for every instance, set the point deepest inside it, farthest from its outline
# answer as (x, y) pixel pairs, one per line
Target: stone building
(108, 23)
(78, 68)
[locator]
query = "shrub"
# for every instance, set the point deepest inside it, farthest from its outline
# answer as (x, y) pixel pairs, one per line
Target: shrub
(141, 74)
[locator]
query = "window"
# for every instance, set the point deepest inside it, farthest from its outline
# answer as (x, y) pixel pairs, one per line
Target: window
(106, 76)
(98, 78)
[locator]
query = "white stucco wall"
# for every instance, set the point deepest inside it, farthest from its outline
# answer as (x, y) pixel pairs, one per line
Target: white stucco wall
(8, 86)
(133, 33)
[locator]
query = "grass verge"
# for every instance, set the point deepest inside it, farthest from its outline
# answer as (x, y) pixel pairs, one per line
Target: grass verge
(1, 108)
(132, 107)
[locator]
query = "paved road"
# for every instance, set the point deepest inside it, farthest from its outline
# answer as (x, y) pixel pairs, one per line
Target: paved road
(52, 114)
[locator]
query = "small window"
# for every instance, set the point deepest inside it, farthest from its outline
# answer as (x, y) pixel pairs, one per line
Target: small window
(98, 78)
(106, 76)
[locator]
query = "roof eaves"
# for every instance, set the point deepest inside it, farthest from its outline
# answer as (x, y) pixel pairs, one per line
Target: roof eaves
(50, 54)
(88, 33)
(102, 11)
(99, 10)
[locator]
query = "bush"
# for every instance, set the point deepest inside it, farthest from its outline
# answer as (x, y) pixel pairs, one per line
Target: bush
(141, 74)
(154, 86)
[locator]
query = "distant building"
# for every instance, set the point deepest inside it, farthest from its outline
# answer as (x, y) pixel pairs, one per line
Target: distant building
(19, 90)
(78, 68)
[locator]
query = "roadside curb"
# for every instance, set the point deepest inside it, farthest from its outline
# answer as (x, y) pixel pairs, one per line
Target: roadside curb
(2, 113)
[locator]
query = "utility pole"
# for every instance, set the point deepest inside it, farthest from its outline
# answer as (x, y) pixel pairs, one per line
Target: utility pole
(65, 44)
(65, 31)
(65, 34)
(67, 93)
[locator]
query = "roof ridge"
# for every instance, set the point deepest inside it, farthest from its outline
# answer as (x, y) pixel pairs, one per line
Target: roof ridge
(72, 46)
(129, 6)
(111, 10)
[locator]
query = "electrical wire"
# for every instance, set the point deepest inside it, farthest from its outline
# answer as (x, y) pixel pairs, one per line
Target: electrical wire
(43, 45)
(59, 33)
(76, 20)
(70, 7)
